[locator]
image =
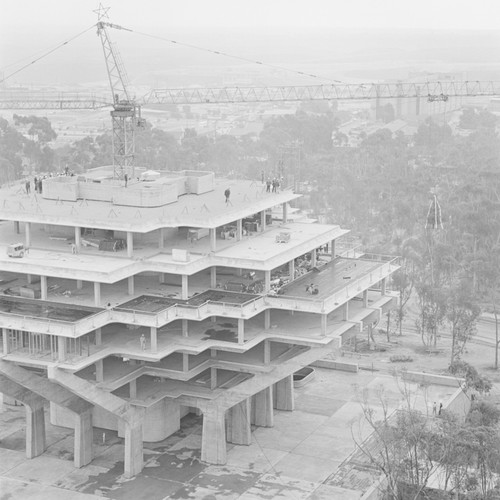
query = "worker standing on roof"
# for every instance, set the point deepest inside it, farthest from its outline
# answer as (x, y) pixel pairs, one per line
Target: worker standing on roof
(227, 194)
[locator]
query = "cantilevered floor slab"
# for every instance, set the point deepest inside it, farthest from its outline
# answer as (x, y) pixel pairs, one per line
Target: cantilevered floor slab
(203, 210)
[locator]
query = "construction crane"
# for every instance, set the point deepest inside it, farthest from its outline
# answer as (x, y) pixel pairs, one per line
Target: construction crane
(126, 113)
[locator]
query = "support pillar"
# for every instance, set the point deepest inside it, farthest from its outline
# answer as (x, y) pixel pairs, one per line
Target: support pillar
(263, 220)
(267, 319)
(241, 330)
(184, 327)
(213, 438)
(98, 336)
(154, 339)
(27, 235)
(284, 394)
(97, 293)
(365, 298)
(16, 227)
(184, 289)
(161, 277)
(285, 212)
(5, 341)
(185, 362)
(332, 249)
(43, 287)
(383, 286)
(99, 371)
(29, 279)
(262, 408)
(324, 324)
(213, 277)
(345, 315)
(78, 239)
(130, 244)
(267, 352)
(291, 269)
(35, 430)
(213, 239)
(79, 284)
(238, 429)
(61, 348)
(213, 378)
(132, 388)
(267, 281)
(83, 438)
(130, 282)
(313, 258)
(239, 229)
(161, 242)
(133, 449)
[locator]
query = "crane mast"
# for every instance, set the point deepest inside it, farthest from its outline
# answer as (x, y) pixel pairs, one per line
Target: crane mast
(126, 113)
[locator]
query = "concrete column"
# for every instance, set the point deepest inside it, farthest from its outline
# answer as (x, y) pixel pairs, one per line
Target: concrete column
(83, 438)
(267, 352)
(267, 319)
(98, 336)
(161, 243)
(130, 244)
(213, 438)
(185, 287)
(184, 327)
(79, 284)
(383, 286)
(5, 340)
(185, 362)
(213, 378)
(213, 239)
(345, 315)
(132, 389)
(291, 269)
(313, 258)
(263, 220)
(27, 234)
(130, 282)
(324, 324)
(35, 430)
(241, 330)
(213, 277)
(284, 394)
(285, 212)
(61, 348)
(29, 279)
(365, 298)
(332, 249)
(239, 229)
(78, 239)
(238, 430)
(43, 287)
(97, 293)
(161, 277)
(154, 339)
(267, 281)
(16, 227)
(99, 371)
(262, 408)
(133, 449)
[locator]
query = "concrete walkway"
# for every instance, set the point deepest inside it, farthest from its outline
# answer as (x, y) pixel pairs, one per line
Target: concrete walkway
(292, 460)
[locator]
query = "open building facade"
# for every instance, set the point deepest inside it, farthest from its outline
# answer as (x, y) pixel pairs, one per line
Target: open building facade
(133, 305)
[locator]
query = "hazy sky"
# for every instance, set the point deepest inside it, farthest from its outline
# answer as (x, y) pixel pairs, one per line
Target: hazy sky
(435, 14)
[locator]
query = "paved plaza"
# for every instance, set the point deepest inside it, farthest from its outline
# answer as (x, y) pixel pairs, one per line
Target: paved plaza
(299, 458)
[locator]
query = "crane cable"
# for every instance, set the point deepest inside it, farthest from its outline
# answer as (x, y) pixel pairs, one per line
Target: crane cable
(232, 56)
(45, 54)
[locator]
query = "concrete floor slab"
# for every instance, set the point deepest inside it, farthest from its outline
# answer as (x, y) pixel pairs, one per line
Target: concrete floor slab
(143, 487)
(13, 488)
(321, 446)
(306, 468)
(182, 466)
(10, 458)
(275, 438)
(79, 479)
(194, 492)
(109, 457)
(313, 404)
(44, 470)
(275, 487)
(254, 457)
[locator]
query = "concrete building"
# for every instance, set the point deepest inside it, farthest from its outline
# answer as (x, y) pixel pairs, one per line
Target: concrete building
(135, 303)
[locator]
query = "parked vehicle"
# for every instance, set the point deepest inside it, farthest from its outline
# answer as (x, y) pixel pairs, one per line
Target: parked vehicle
(16, 250)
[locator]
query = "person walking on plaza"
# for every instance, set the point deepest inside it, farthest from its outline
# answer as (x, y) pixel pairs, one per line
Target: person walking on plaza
(227, 194)
(268, 185)
(28, 187)
(434, 409)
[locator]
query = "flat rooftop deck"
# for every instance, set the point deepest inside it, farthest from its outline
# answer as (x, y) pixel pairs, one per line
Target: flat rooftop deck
(45, 309)
(331, 278)
(203, 210)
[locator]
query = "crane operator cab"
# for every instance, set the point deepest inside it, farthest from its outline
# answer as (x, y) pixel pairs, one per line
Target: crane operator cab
(16, 250)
